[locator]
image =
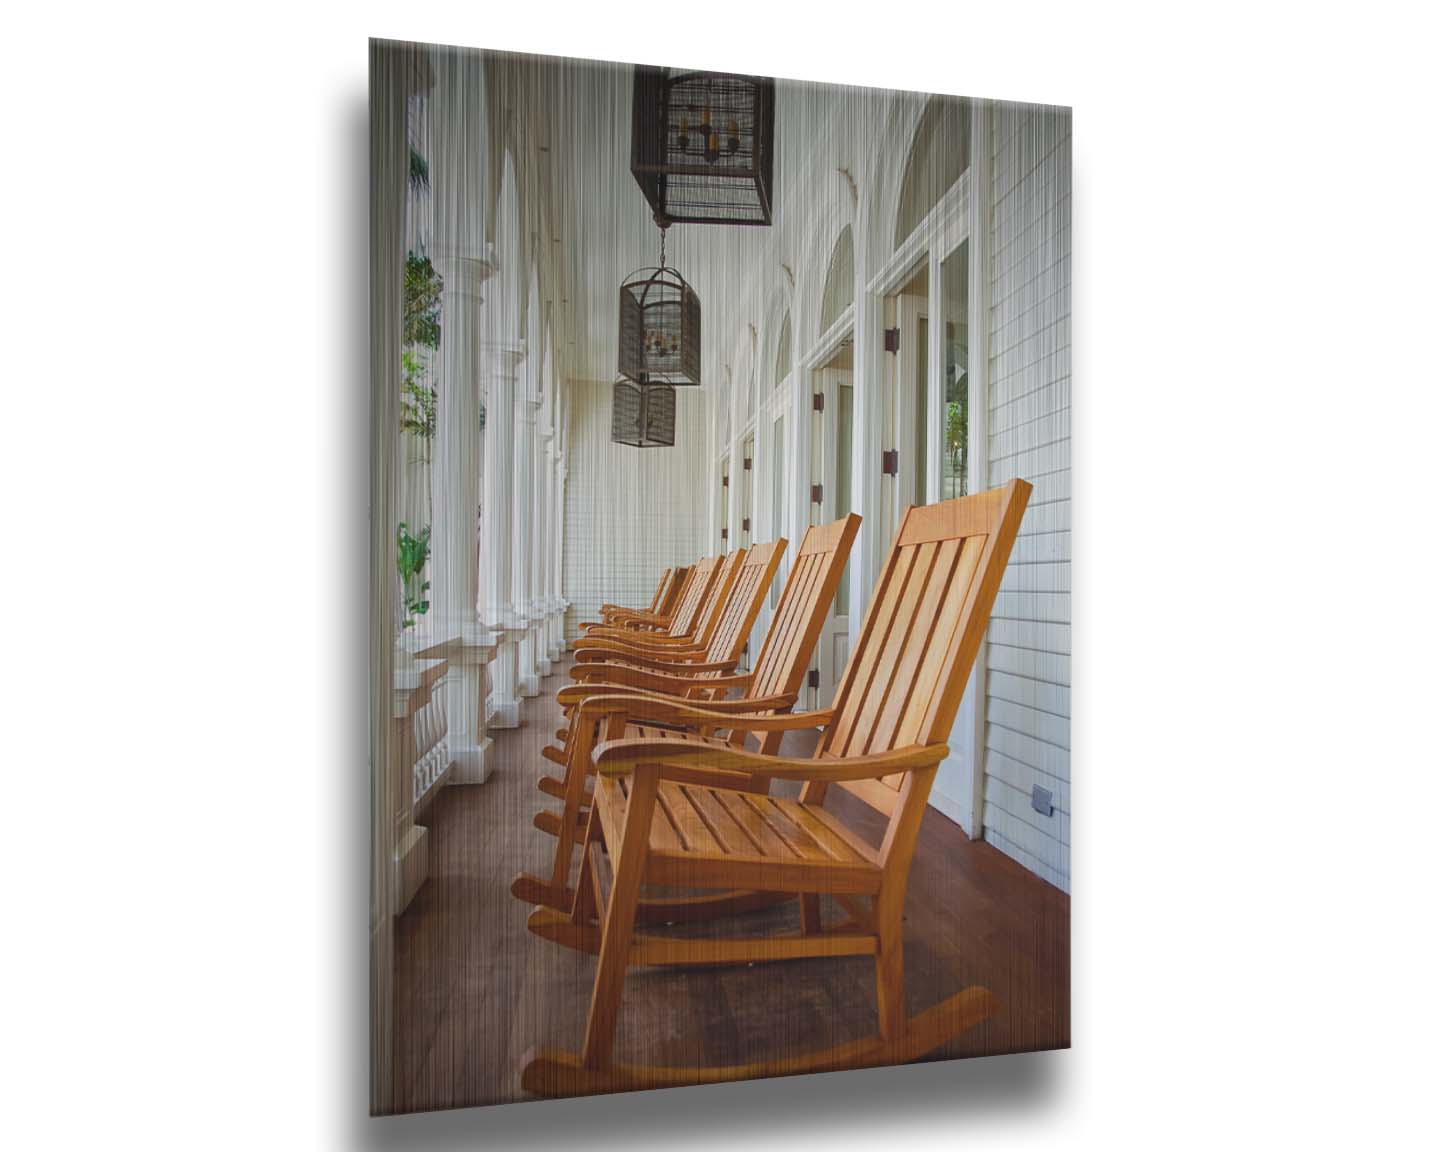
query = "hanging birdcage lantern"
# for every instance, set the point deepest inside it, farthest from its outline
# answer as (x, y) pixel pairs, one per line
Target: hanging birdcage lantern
(642, 415)
(702, 145)
(659, 327)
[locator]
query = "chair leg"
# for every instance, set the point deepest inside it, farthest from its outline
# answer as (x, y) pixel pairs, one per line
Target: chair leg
(577, 756)
(890, 963)
(584, 906)
(890, 988)
(619, 919)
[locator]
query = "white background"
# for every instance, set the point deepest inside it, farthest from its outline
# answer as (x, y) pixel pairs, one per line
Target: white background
(184, 471)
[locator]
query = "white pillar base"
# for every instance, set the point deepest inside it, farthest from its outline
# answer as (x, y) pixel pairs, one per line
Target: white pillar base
(555, 632)
(505, 712)
(527, 681)
(469, 763)
(504, 707)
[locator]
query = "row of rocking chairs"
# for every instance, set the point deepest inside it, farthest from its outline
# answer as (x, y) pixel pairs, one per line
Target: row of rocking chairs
(666, 759)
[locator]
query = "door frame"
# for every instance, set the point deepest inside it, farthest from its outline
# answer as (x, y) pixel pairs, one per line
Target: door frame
(827, 382)
(957, 217)
(812, 364)
(779, 405)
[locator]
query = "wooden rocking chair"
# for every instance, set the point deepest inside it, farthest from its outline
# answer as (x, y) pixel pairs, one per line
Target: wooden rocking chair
(661, 604)
(773, 685)
(707, 619)
(727, 643)
(753, 572)
(664, 825)
(679, 625)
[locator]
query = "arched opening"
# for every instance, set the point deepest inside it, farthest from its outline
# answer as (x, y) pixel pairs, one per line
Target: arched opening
(839, 280)
(782, 353)
(939, 153)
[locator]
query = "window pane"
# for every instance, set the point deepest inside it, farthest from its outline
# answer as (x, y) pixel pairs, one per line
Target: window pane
(955, 425)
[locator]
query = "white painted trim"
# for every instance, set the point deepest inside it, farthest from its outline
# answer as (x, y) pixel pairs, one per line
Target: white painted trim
(938, 230)
(979, 209)
(830, 340)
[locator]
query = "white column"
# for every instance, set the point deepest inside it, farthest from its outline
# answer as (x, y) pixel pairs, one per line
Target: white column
(498, 367)
(522, 535)
(539, 566)
(455, 487)
(556, 635)
(562, 473)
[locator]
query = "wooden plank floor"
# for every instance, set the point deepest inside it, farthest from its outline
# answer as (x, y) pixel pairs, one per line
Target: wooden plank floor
(475, 991)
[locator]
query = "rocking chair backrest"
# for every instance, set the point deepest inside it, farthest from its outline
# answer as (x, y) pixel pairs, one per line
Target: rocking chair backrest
(708, 619)
(660, 590)
(747, 594)
(795, 627)
(903, 682)
(692, 595)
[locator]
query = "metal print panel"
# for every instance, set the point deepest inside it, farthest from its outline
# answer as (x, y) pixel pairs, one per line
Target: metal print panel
(745, 754)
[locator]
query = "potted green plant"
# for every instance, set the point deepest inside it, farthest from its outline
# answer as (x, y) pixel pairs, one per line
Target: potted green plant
(411, 553)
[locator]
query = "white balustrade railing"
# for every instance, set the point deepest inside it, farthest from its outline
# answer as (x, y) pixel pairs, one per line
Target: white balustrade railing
(432, 750)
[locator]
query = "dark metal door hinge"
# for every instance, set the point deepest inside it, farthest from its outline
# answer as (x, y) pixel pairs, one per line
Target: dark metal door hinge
(817, 401)
(890, 462)
(817, 493)
(814, 678)
(892, 339)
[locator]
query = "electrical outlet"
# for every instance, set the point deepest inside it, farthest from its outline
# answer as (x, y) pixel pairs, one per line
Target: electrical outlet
(1040, 800)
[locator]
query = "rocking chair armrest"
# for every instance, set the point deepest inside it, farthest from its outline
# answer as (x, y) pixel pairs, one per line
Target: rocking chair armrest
(619, 757)
(601, 651)
(736, 709)
(626, 625)
(663, 678)
(740, 707)
(643, 623)
(590, 657)
(610, 634)
(659, 640)
(643, 707)
(607, 627)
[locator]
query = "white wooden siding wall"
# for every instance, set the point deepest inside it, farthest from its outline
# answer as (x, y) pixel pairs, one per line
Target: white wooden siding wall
(630, 513)
(1027, 734)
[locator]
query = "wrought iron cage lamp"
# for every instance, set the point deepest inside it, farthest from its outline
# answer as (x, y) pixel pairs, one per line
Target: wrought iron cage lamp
(642, 415)
(702, 145)
(659, 327)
